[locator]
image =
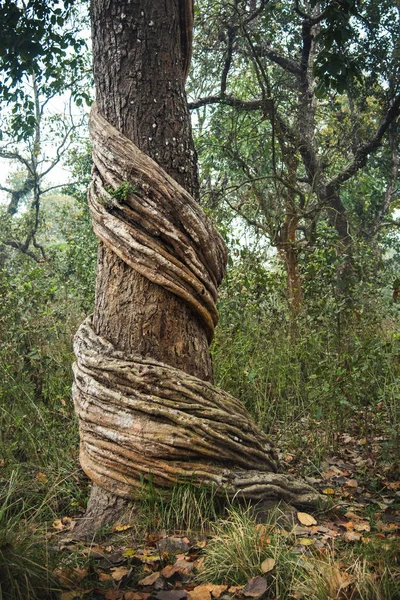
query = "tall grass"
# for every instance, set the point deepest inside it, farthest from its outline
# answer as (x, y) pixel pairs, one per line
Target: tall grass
(184, 508)
(239, 547)
(24, 568)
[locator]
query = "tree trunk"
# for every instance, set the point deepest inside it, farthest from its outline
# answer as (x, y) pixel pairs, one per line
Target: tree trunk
(143, 377)
(140, 91)
(338, 218)
(288, 254)
(139, 79)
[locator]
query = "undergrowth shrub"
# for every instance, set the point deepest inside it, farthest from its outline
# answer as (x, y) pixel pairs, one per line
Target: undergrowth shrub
(341, 364)
(329, 579)
(40, 310)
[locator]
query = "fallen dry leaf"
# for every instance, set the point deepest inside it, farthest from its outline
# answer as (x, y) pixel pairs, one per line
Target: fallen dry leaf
(168, 571)
(328, 491)
(306, 519)
(113, 595)
(341, 579)
(64, 523)
(150, 579)
(352, 536)
(151, 559)
(96, 551)
(120, 527)
(69, 577)
(393, 485)
(80, 574)
(104, 576)
(172, 595)
(183, 567)
(154, 537)
(256, 587)
(199, 564)
(351, 483)
(305, 541)
(57, 524)
(300, 530)
(200, 592)
(386, 527)
(362, 526)
(69, 595)
(263, 531)
(216, 590)
(173, 545)
(41, 477)
(351, 515)
(119, 572)
(267, 565)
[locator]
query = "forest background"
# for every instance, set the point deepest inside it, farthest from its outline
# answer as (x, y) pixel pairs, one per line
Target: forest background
(297, 140)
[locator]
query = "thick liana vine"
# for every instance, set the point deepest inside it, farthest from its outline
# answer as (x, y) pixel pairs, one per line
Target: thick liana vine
(139, 416)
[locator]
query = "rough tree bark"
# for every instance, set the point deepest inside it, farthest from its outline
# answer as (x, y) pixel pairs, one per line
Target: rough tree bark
(143, 378)
(141, 51)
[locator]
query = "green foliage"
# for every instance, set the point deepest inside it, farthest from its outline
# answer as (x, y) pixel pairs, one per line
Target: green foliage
(287, 96)
(40, 39)
(338, 364)
(121, 193)
(40, 309)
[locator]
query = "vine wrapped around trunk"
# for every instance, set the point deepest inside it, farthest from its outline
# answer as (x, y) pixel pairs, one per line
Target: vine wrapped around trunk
(137, 415)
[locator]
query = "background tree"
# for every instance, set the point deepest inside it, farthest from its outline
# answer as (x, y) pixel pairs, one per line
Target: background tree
(44, 64)
(294, 102)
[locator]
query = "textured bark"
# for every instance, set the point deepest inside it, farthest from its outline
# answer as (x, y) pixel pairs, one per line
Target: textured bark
(160, 263)
(294, 284)
(138, 60)
(139, 416)
(141, 52)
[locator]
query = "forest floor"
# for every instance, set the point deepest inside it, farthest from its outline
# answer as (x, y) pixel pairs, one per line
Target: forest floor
(349, 551)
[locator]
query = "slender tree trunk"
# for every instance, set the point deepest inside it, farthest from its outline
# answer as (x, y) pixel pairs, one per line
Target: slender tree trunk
(338, 218)
(295, 291)
(288, 253)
